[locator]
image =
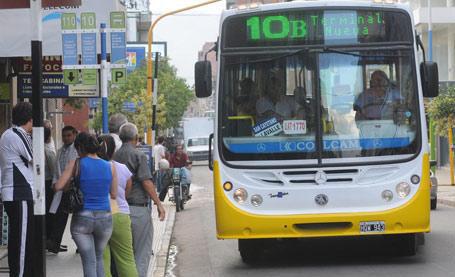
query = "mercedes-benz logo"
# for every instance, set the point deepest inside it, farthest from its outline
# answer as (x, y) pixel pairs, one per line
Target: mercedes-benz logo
(261, 147)
(321, 199)
(320, 177)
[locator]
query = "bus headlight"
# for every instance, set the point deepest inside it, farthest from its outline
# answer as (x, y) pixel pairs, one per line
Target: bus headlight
(256, 200)
(240, 195)
(403, 189)
(387, 195)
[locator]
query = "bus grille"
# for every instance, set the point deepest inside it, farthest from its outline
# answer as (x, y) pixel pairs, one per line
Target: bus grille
(304, 176)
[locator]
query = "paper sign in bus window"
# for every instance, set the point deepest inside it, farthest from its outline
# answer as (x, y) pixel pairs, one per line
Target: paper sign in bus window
(294, 127)
(270, 127)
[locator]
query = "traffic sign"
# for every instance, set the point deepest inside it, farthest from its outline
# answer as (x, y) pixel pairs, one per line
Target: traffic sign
(70, 76)
(88, 21)
(68, 21)
(89, 76)
(118, 75)
(118, 20)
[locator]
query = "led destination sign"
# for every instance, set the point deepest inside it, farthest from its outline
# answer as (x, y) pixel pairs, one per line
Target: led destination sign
(306, 27)
(334, 25)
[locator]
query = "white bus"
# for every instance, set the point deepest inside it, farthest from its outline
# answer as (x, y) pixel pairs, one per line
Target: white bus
(320, 123)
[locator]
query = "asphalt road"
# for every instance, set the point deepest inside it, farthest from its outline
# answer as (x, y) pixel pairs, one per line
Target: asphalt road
(199, 253)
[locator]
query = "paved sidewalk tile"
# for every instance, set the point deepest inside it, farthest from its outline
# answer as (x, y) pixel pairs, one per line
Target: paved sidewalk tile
(446, 192)
(69, 264)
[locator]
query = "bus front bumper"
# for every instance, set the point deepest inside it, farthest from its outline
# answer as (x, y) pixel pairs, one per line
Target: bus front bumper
(233, 223)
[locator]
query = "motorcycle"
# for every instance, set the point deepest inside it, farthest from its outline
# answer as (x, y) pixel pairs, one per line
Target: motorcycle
(180, 191)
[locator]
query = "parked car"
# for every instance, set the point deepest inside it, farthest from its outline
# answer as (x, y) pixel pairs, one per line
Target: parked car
(434, 187)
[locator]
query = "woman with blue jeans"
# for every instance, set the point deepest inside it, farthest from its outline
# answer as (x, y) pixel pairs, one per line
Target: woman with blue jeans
(91, 227)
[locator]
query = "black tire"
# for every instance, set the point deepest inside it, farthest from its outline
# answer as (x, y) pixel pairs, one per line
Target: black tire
(405, 244)
(177, 199)
(250, 250)
(434, 203)
(182, 204)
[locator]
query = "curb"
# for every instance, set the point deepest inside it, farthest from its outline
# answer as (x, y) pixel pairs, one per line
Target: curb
(160, 262)
(446, 202)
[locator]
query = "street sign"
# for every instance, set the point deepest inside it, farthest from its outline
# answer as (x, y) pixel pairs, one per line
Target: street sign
(88, 20)
(68, 21)
(88, 43)
(118, 48)
(53, 86)
(129, 107)
(90, 76)
(118, 38)
(118, 20)
(118, 76)
(69, 40)
(70, 76)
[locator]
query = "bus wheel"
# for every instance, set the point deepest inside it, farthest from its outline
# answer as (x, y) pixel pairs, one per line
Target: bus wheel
(405, 245)
(250, 250)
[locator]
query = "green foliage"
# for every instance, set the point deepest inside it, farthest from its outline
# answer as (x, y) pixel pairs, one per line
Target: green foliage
(441, 109)
(174, 96)
(76, 103)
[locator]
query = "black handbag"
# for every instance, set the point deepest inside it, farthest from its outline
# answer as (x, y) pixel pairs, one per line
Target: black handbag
(73, 199)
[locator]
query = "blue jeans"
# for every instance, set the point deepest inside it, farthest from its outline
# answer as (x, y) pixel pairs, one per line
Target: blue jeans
(91, 231)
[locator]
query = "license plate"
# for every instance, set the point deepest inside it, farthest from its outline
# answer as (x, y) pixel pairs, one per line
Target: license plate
(372, 227)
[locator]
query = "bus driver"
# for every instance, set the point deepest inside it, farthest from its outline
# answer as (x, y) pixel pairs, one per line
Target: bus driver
(379, 100)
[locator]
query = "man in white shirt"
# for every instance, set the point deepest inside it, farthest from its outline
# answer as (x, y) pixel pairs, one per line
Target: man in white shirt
(16, 163)
(159, 152)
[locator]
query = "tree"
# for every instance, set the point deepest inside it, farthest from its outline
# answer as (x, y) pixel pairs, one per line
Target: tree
(174, 96)
(442, 110)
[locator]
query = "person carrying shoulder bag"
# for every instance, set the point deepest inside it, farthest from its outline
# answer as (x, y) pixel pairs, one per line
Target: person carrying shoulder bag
(91, 227)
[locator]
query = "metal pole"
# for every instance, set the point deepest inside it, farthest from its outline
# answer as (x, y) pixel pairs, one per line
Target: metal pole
(155, 96)
(450, 140)
(104, 77)
(39, 257)
(430, 34)
(149, 52)
(433, 144)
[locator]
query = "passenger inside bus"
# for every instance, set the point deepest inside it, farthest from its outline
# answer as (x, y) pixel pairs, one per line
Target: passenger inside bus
(245, 100)
(274, 102)
(377, 102)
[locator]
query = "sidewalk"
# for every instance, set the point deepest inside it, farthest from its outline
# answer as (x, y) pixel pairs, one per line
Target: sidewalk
(69, 263)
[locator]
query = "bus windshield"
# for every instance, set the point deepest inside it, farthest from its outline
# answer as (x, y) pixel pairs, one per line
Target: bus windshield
(319, 104)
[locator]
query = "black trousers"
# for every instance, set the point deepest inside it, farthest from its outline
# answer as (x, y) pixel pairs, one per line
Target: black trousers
(21, 225)
(49, 217)
(57, 225)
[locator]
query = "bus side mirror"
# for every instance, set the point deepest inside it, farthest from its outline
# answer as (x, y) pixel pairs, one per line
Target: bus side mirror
(430, 79)
(203, 79)
(433, 163)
